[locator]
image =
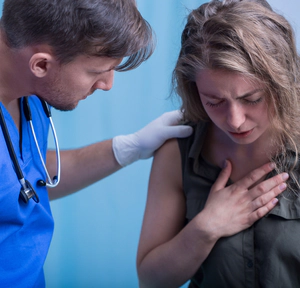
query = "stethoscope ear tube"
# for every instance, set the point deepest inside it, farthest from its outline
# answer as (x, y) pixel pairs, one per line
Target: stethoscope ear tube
(46, 108)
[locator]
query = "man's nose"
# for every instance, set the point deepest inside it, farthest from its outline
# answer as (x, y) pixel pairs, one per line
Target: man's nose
(106, 81)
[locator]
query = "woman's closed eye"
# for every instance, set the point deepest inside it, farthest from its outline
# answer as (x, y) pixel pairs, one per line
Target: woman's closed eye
(253, 102)
(214, 105)
(244, 100)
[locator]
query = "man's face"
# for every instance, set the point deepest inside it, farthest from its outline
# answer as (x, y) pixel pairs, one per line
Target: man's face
(65, 85)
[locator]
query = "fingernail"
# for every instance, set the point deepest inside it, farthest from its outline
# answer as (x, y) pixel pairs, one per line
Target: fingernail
(225, 163)
(285, 176)
(274, 201)
(272, 165)
(282, 186)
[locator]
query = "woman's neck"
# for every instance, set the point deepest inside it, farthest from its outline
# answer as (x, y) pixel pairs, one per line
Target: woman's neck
(244, 157)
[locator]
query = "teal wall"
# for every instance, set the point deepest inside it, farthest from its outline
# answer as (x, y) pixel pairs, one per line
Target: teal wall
(97, 230)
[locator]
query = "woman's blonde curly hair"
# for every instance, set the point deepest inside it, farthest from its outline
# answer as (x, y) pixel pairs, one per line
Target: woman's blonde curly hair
(246, 37)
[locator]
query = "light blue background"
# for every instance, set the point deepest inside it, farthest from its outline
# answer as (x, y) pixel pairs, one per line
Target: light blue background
(97, 229)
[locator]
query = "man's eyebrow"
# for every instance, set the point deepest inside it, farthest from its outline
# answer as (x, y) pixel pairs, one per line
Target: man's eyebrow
(103, 71)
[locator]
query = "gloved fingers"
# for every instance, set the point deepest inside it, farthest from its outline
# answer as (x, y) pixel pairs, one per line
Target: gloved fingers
(178, 131)
(171, 118)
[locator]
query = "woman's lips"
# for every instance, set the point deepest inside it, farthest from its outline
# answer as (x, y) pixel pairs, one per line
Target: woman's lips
(241, 134)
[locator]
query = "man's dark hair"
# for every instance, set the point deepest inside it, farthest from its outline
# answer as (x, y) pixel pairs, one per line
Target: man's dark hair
(111, 28)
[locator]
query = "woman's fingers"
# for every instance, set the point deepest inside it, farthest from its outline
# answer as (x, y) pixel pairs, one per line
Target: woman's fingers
(245, 182)
(236, 207)
(264, 196)
(256, 175)
(269, 189)
(262, 211)
(223, 177)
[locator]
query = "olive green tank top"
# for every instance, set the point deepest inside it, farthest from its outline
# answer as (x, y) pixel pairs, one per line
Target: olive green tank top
(265, 255)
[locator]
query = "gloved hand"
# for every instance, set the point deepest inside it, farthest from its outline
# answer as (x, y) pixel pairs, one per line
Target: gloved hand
(142, 144)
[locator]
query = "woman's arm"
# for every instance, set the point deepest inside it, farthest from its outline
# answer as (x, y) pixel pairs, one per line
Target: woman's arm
(170, 253)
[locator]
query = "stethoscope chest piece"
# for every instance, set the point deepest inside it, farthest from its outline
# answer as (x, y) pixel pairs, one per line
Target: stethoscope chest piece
(27, 192)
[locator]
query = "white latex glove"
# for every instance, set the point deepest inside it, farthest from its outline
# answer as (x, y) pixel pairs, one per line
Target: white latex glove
(142, 144)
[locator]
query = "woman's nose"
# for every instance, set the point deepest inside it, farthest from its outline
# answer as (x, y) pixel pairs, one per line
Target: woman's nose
(235, 117)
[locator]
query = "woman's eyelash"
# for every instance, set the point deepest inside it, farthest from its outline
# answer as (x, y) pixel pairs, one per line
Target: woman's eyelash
(254, 102)
(248, 102)
(213, 105)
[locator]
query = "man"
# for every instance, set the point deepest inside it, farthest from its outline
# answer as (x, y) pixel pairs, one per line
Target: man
(61, 51)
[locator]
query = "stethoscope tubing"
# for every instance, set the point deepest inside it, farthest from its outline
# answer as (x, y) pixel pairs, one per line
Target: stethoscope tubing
(9, 145)
(51, 183)
(27, 192)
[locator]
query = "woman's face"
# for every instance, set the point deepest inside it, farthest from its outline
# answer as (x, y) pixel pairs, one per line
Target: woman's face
(234, 103)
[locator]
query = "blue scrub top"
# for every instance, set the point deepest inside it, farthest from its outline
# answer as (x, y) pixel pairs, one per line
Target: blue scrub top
(25, 229)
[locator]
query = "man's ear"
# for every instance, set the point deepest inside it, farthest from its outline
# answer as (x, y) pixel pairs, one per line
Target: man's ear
(40, 63)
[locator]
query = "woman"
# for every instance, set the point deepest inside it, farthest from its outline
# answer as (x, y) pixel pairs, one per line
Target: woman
(238, 77)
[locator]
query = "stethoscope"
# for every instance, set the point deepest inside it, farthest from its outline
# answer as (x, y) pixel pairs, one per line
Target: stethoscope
(27, 192)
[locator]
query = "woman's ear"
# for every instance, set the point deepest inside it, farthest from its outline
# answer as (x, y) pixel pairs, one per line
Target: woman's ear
(40, 63)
